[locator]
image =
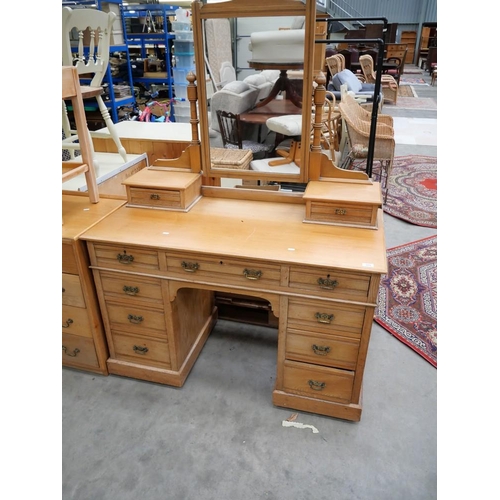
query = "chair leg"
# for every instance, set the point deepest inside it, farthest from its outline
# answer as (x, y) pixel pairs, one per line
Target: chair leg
(111, 127)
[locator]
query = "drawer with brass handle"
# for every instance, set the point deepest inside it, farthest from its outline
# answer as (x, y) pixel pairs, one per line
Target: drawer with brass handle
(155, 198)
(123, 258)
(326, 317)
(222, 269)
(136, 319)
(132, 289)
(72, 293)
(75, 320)
(325, 350)
(318, 382)
(142, 350)
(78, 351)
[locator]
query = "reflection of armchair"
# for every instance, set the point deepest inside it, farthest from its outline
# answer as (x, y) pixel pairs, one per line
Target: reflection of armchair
(348, 78)
(389, 84)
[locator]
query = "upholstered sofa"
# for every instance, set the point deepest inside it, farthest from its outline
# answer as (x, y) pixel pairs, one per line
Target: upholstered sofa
(354, 85)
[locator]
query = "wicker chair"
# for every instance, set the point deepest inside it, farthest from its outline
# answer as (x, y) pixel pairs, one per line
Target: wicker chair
(389, 84)
(358, 123)
(335, 63)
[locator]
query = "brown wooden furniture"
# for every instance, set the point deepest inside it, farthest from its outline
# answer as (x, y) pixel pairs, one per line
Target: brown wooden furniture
(410, 39)
(83, 341)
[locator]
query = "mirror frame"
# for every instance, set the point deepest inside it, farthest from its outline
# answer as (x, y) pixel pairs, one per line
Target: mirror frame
(255, 8)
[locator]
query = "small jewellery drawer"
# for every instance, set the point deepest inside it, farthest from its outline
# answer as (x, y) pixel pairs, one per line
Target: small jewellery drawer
(124, 258)
(72, 293)
(78, 351)
(75, 320)
(213, 268)
(318, 382)
(163, 198)
(69, 264)
(326, 317)
(327, 350)
(142, 350)
(131, 288)
(331, 283)
(136, 319)
(349, 214)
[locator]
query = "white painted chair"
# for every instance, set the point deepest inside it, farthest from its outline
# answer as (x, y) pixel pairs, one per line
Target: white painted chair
(94, 29)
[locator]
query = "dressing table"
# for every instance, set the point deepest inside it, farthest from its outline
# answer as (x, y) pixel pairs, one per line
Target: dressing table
(158, 259)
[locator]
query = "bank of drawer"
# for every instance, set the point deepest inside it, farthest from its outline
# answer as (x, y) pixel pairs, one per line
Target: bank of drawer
(136, 319)
(132, 289)
(72, 293)
(125, 258)
(78, 351)
(326, 350)
(142, 350)
(326, 317)
(222, 269)
(69, 264)
(331, 283)
(159, 198)
(75, 320)
(318, 382)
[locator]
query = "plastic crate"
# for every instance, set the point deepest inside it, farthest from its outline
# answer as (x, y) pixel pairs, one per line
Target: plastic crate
(183, 35)
(180, 74)
(184, 47)
(181, 26)
(184, 60)
(180, 90)
(182, 108)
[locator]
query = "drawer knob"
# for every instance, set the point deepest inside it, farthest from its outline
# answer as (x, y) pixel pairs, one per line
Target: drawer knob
(327, 283)
(316, 386)
(135, 319)
(324, 317)
(155, 196)
(124, 258)
(190, 267)
(69, 321)
(71, 354)
(131, 290)
(139, 349)
(252, 274)
(340, 211)
(320, 350)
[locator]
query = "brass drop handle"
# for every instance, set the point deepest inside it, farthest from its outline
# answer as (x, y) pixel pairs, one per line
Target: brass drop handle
(340, 211)
(155, 196)
(252, 274)
(327, 283)
(320, 350)
(135, 319)
(131, 290)
(190, 267)
(69, 321)
(73, 355)
(64, 289)
(139, 349)
(124, 258)
(316, 386)
(324, 317)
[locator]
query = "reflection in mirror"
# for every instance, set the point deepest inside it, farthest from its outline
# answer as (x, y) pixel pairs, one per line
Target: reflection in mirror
(255, 62)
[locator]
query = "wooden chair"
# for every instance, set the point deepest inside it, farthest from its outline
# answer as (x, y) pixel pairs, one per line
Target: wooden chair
(71, 91)
(358, 124)
(230, 127)
(94, 29)
(388, 83)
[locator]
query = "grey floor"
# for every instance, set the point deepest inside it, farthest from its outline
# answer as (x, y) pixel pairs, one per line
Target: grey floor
(220, 437)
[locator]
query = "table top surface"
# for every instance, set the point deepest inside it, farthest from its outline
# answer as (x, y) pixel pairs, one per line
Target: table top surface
(277, 107)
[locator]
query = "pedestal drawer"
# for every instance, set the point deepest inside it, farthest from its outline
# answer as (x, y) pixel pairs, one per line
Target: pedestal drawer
(155, 198)
(326, 317)
(72, 293)
(326, 350)
(142, 350)
(318, 382)
(331, 283)
(75, 320)
(221, 269)
(131, 288)
(78, 351)
(124, 258)
(69, 264)
(136, 319)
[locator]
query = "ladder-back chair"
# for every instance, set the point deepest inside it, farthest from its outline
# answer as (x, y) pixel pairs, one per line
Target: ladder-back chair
(94, 29)
(71, 91)
(388, 83)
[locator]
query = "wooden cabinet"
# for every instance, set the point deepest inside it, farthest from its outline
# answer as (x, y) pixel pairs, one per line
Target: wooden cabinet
(156, 272)
(83, 340)
(410, 39)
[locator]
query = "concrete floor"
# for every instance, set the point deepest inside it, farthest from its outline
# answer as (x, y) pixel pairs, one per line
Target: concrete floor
(221, 438)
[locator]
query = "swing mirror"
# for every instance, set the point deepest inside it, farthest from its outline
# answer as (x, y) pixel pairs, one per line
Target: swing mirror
(264, 14)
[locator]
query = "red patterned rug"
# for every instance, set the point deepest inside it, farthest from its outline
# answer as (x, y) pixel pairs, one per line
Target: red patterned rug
(407, 296)
(412, 194)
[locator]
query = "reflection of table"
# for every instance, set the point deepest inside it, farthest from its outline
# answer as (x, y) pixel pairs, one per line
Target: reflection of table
(283, 83)
(386, 66)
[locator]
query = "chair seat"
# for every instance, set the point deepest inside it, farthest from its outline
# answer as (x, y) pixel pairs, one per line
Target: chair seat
(254, 147)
